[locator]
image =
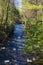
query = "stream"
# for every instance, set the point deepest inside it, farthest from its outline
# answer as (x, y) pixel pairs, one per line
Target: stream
(11, 52)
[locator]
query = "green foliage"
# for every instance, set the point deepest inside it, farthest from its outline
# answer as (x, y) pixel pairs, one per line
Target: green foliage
(8, 17)
(33, 13)
(35, 36)
(34, 25)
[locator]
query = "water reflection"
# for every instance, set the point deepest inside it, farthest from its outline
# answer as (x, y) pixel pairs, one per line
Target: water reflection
(11, 53)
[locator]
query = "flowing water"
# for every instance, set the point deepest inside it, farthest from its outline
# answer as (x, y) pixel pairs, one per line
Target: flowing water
(11, 52)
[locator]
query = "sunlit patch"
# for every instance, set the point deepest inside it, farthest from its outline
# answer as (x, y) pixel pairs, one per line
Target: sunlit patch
(23, 44)
(14, 60)
(3, 48)
(6, 61)
(23, 36)
(28, 60)
(20, 40)
(14, 49)
(42, 50)
(34, 59)
(19, 37)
